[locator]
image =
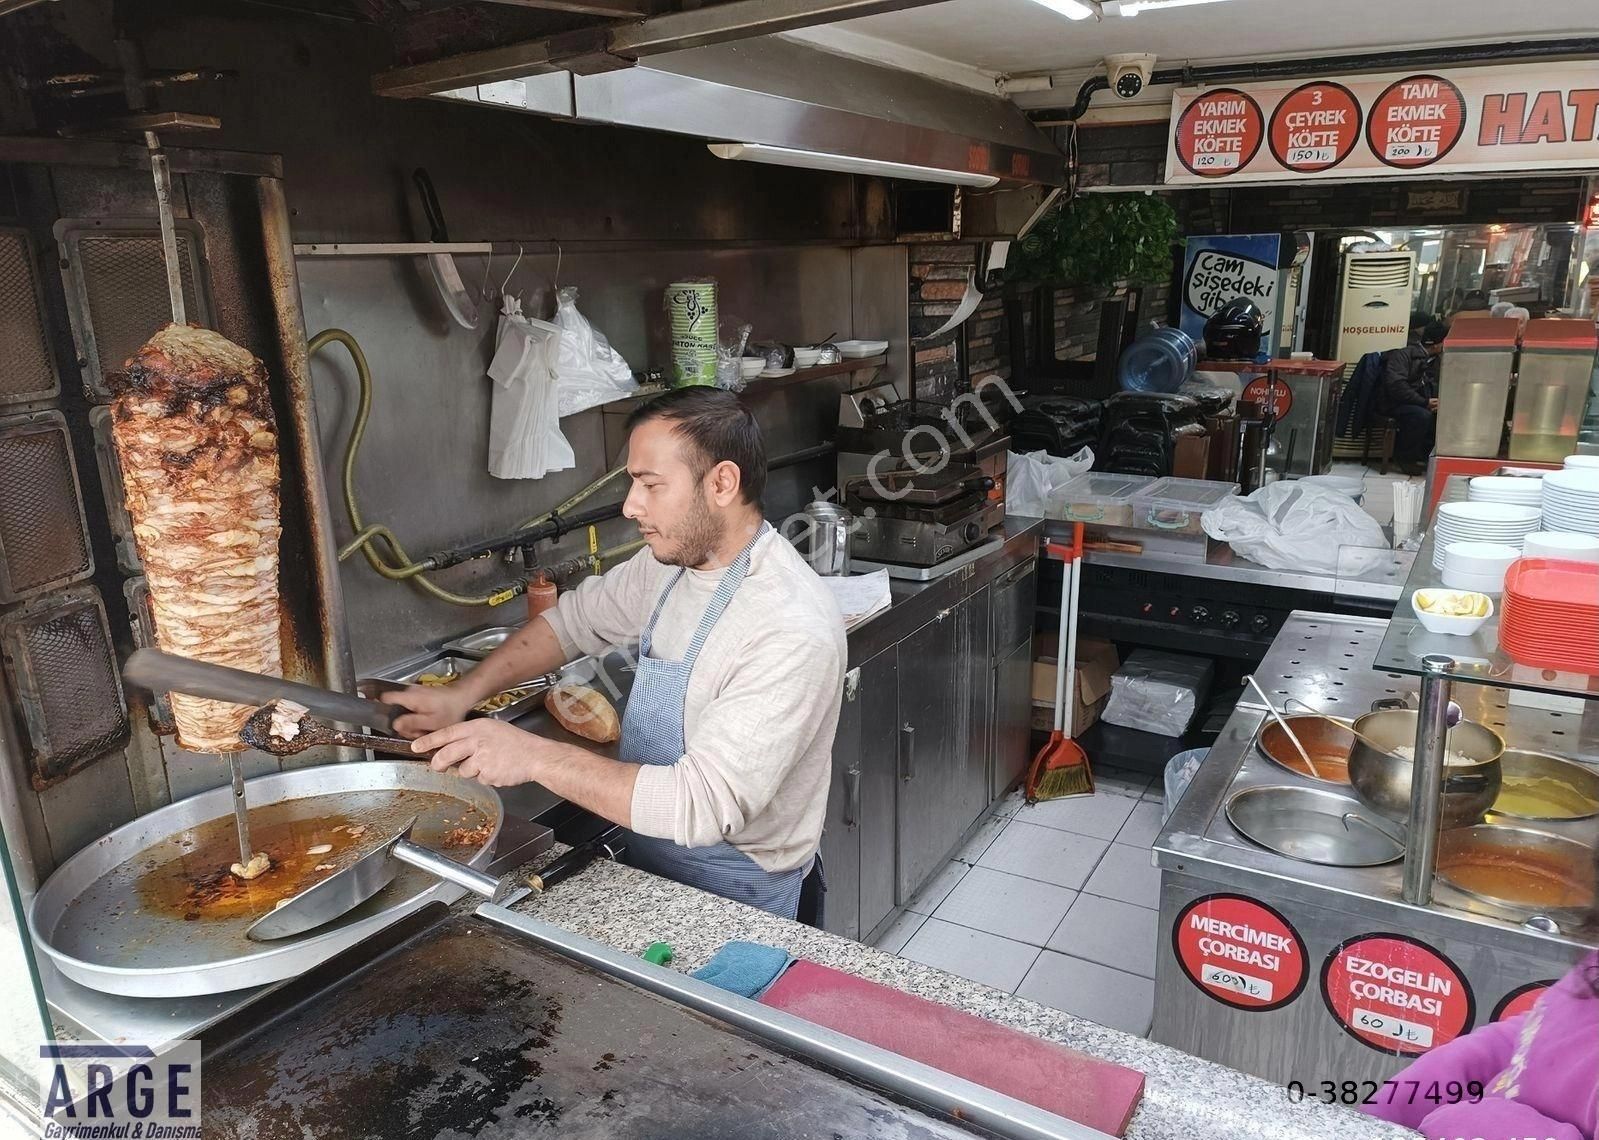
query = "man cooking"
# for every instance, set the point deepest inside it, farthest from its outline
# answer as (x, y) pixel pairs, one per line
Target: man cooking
(727, 736)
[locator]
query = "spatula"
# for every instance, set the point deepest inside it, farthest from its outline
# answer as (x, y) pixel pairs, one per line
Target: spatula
(343, 891)
(257, 733)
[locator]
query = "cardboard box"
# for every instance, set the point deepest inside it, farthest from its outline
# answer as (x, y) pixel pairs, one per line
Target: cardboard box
(1097, 661)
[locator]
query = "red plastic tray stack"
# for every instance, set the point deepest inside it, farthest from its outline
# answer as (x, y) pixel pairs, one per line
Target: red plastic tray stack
(1550, 615)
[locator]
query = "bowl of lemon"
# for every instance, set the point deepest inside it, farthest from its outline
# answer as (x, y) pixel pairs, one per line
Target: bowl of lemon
(1459, 612)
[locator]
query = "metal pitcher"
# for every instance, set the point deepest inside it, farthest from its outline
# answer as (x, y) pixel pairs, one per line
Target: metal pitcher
(821, 532)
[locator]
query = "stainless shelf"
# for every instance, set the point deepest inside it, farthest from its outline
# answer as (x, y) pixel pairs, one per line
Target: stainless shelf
(1478, 658)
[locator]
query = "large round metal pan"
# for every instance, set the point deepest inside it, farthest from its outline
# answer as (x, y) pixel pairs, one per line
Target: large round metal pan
(141, 912)
(1313, 825)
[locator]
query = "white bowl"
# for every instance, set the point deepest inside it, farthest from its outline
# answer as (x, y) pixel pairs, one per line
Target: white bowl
(1581, 461)
(1445, 623)
(858, 349)
(1491, 584)
(806, 357)
(1563, 545)
(750, 367)
(1480, 557)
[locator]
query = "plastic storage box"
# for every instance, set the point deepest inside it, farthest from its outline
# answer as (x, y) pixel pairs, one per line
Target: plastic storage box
(1175, 505)
(1097, 498)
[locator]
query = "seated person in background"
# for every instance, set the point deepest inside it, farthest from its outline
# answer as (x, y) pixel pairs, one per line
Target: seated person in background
(1538, 1071)
(1409, 393)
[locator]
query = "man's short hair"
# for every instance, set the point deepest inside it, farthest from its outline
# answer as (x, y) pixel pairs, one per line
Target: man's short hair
(717, 427)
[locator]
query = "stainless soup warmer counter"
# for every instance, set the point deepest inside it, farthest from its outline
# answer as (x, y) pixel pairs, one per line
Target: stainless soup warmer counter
(1300, 972)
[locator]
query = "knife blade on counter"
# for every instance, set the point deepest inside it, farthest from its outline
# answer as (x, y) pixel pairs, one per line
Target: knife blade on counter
(159, 672)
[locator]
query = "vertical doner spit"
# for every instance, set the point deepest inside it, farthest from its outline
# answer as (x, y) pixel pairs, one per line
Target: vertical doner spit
(194, 431)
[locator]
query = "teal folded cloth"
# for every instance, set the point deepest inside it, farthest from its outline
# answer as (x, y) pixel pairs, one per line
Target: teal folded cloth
(745, 968)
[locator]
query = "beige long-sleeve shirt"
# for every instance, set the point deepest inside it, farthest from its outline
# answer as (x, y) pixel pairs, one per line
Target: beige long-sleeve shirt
(762, 702)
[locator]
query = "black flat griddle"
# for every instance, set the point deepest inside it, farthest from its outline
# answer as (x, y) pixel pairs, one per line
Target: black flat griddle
(469, 1031)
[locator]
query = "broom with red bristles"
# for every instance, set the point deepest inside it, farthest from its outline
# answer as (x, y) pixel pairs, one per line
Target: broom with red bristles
(1061, 767)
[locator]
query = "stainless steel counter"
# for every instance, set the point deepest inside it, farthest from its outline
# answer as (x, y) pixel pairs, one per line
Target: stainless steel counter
(915, 604)
(1326, 661)
(1380, 583)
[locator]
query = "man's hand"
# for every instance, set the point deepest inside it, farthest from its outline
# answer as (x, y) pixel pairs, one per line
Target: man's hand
(489, 751)
(1432, 404)
(430, 708)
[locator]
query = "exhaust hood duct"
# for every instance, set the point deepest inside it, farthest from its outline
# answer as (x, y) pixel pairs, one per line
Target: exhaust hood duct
(815, 160)
(780, 97)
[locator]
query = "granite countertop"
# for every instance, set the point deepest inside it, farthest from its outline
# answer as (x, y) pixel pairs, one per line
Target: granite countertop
(1184, 1097)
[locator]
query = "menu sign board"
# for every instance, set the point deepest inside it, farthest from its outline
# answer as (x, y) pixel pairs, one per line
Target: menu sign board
(1396, 994)
(1240, 952)
(1524, 117)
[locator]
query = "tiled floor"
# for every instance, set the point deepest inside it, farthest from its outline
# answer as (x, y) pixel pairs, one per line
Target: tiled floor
(1055, 902)
(1058, 902)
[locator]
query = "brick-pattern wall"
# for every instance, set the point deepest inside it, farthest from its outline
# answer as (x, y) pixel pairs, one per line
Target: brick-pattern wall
(945, 367)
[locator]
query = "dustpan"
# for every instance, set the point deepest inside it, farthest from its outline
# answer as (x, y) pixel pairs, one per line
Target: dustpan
(1061, 767)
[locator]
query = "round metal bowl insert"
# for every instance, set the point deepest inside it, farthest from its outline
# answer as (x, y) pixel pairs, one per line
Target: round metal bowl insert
(1536, 785)
(1329, 746)
(1314, 825)
(1516, 872)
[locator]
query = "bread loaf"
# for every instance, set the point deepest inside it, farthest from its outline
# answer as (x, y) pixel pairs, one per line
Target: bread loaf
(199, 454)
(584, 712)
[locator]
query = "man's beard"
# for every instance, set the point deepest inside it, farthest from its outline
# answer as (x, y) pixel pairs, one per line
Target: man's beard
(696, 538)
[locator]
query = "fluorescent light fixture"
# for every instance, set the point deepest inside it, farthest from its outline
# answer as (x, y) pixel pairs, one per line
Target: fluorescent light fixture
(845, 164)
(1133, 7)
(1071, 9)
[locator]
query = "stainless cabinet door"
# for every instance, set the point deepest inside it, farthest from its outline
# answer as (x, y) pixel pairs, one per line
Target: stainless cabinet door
(877, 703)
(1013, 715)
(932, 717)
(841, 831)
(1015, 599)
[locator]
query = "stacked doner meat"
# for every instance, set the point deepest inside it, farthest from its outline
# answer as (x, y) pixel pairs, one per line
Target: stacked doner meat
(199, 455)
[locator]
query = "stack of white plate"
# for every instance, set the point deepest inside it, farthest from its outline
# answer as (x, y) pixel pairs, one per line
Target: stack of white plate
(1478, 566)
(1562, 546)
(1515, 489)
(1502, 523)
(1589, 461)
(1571, 500)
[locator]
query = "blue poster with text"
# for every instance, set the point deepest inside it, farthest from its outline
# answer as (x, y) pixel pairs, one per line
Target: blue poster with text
(1219, 268)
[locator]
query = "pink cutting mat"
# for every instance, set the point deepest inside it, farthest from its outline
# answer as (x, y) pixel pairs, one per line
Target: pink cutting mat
(1052, 1077)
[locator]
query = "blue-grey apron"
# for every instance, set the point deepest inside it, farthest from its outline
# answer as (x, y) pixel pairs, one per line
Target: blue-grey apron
(652, 733)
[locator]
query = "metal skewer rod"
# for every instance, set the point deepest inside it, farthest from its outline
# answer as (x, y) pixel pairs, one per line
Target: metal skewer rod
(241, 816)
(169, 231)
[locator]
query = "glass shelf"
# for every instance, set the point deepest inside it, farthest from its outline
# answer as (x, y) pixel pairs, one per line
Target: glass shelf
(1478, 658)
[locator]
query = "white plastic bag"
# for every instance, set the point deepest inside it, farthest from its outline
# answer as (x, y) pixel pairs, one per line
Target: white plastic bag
(525, 440)
(588, 370)
(1295, 526)
(1031, 477)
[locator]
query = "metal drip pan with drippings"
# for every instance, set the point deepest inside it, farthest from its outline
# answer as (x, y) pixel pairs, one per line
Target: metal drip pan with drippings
(1314, 825)
(150, 910)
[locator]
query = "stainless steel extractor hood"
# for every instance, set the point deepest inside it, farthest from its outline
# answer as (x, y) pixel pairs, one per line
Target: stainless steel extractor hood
(775, 93)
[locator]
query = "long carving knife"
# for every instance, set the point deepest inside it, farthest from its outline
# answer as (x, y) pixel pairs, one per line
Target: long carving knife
(160, 672)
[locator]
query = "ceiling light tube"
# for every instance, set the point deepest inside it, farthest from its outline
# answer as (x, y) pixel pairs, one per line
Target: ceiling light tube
(1133, 7)
(1071, 9)
(846, 164)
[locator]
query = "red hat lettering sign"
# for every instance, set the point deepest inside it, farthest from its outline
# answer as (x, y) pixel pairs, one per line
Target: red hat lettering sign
(1396, 994)
(1469, 120)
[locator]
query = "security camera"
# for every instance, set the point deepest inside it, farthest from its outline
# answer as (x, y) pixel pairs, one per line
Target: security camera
(1129, 73)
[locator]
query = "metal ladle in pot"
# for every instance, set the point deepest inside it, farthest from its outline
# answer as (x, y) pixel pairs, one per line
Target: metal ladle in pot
(1304, 754)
